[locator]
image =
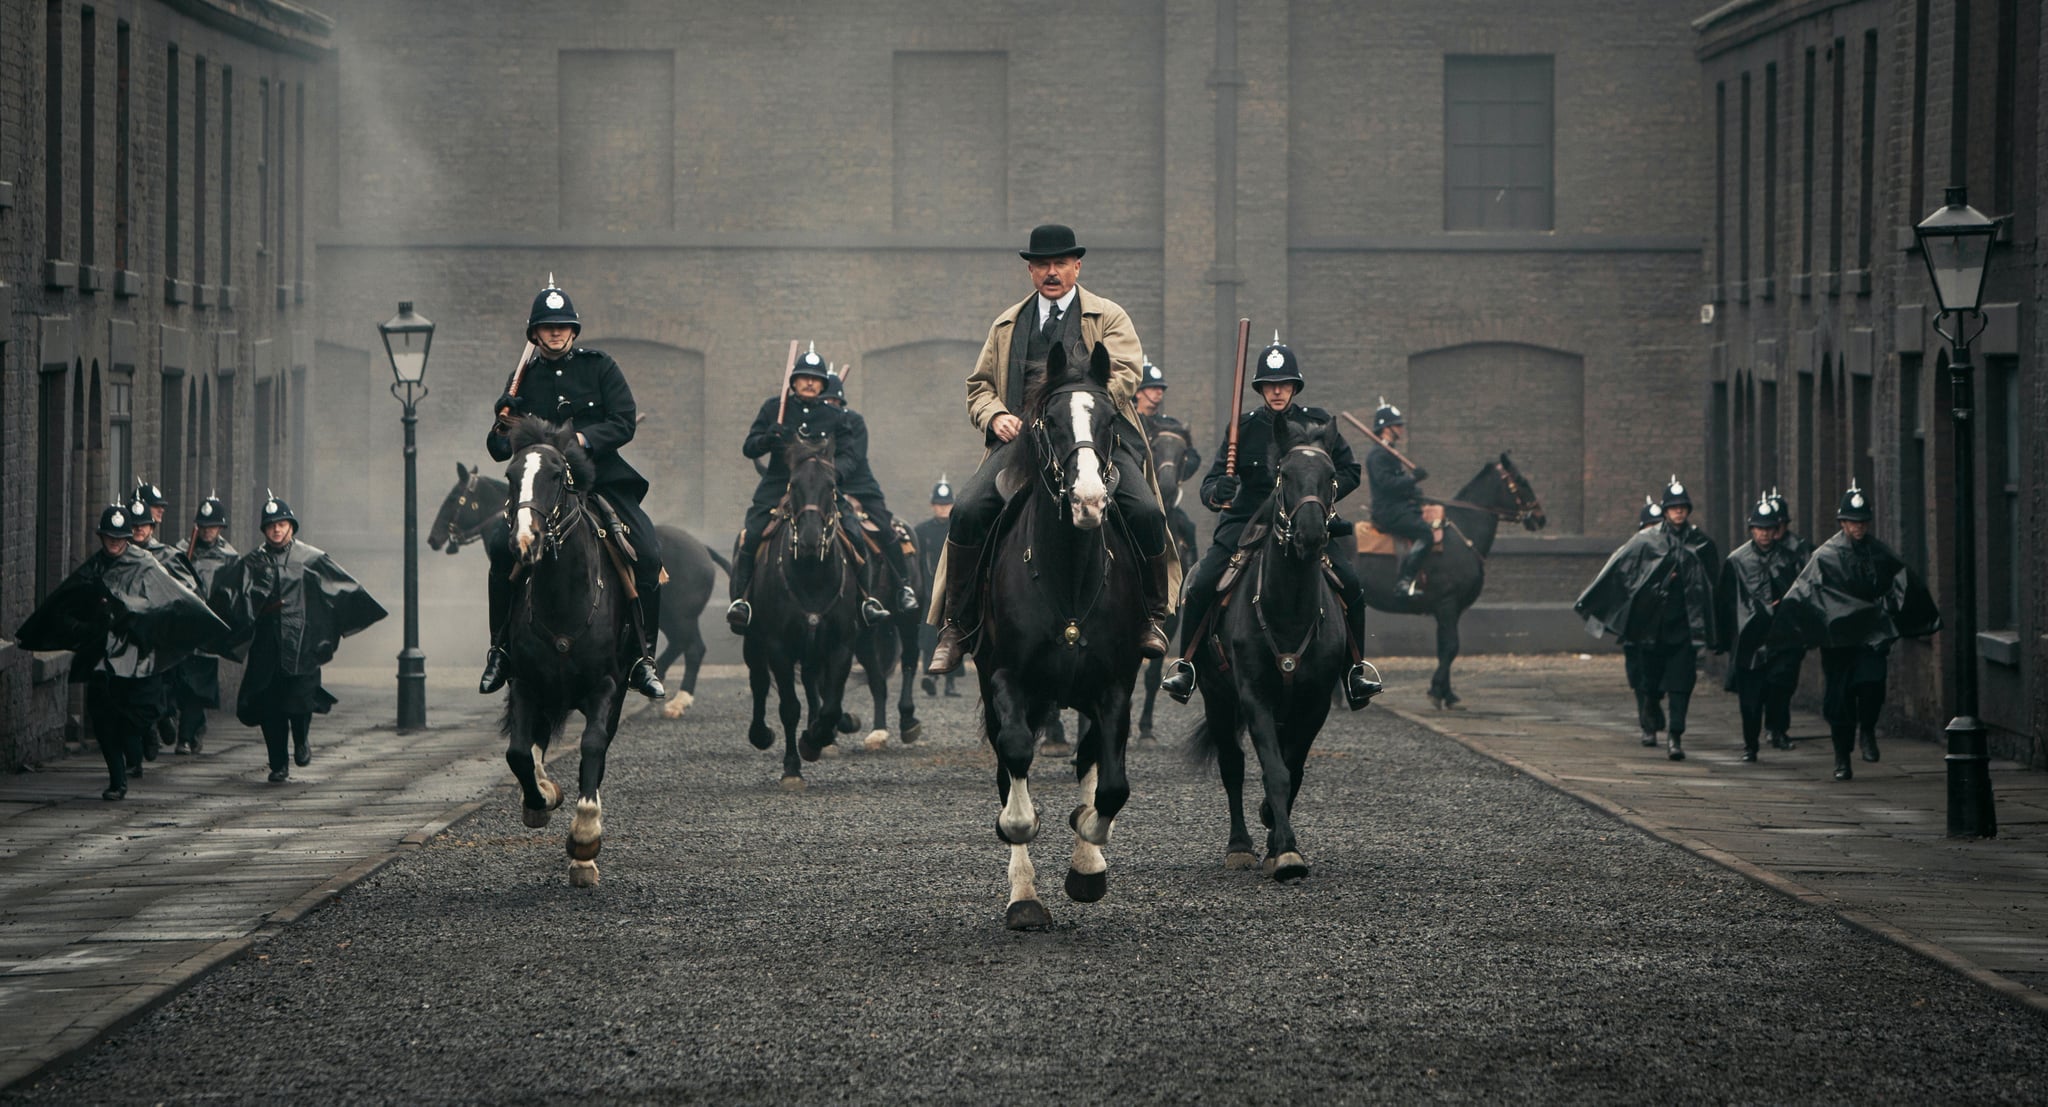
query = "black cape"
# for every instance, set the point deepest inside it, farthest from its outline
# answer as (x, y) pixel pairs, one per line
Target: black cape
(317, 605)
(131, 599)
(1752, 582)
(1850, 596)
(1627, 598)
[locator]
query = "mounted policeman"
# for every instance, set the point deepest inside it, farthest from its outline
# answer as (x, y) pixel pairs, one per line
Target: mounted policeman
(577, 386)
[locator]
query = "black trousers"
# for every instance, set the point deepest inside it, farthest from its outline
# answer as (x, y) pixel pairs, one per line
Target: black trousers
(122, 710)
(978, 501)
(741, 579)
(1200, 595)
(1764, 695)
(1852, 696)
(1667, 674)
(196, 689)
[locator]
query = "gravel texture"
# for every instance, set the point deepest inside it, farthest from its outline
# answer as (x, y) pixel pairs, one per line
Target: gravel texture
(1466, 934)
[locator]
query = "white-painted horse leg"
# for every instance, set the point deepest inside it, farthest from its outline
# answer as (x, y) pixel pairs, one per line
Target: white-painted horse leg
(876, 739)
(1089, 825)
(1087, 869)
(1019, 820)
(678, 703)
(586, 838)
(1025, 911)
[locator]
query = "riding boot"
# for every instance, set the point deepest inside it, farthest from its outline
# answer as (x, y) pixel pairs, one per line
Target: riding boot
(872, 613)
(1868, 741)
(1845, 743)
(495, 661)
(1411, 567)
(741, 613)
(1156, 574)
(899, 567)
(963, 587)
(646, 613)
(1179, 681)
(1359, 688)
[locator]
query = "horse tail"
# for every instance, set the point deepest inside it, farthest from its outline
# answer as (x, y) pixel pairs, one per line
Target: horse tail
(1203, 745)
(718, 559)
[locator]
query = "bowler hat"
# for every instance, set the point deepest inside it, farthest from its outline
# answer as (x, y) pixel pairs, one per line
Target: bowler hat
(1052, 240)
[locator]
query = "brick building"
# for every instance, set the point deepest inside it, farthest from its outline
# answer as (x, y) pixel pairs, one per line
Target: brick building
(156, 260)
(1834, 128)
(1490, 214)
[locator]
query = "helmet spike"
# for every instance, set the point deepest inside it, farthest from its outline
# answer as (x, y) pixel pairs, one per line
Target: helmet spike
(551, 278)
(814, 346)
(1276, 336)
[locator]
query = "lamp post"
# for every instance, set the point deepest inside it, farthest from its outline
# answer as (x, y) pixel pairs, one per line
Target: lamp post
(406, 338)
(1956, 243)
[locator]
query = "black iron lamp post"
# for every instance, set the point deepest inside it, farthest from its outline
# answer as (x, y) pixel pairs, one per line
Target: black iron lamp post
(1956, 242)
(406, 338)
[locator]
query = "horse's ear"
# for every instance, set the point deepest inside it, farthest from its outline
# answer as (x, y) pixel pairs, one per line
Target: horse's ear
(1504, 459)
(1056, 362)
(1098, 365)
(461, 472)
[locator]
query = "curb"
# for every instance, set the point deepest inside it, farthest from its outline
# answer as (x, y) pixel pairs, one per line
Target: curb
(146, 998)
(1862, 920)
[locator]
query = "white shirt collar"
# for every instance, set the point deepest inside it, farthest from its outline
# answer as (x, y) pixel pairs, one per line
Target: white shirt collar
(1066, 303)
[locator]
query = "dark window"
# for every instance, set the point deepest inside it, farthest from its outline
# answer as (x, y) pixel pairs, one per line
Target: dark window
(1770, 172)
(263, 165)
(224, 440)
(1720, 189)
(1497, 143)
(1718, 476)
(171, 149)
(227, 176)
(1862, 430)
(1827, 435)
(1866, 195)
(1806, 167)
(53, 512)
(299, 185)
(199, 170)
(1837, 68)
(1803, 426)
(2002, 495)
(1917, 180)
(171, 456)
(1767, 435)
(2005, 105)
(263, 426)
(1959, 99)
(1912, 465)
(283, 166)
(1742, 184)
(122, 164)
(203, 474)
(53, 132)
(120, 434)
(88, 130)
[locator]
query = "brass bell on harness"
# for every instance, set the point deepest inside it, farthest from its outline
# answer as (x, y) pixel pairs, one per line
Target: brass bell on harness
(1071, 636)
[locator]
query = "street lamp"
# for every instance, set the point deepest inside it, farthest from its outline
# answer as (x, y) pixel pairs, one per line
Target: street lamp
(1956, 243)
(406, 339)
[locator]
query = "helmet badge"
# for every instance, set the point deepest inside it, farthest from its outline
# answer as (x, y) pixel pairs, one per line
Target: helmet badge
(1276, 360)
(119, 520)
(555, 300)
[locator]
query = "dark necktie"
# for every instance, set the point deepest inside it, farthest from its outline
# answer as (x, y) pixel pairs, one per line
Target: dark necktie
(1052, 321)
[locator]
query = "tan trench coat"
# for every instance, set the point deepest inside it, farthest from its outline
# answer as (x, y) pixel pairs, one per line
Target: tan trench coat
(1103, 322)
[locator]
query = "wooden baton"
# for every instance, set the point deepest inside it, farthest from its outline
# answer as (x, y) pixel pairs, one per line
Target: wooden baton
(1376, 439)
(1244, 341)
(788, 371)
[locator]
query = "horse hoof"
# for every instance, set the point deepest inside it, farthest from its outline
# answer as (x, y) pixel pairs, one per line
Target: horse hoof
(1055, 748)
(1147, 738)
(1437, 702)
(1238, 860)
(535, 817)
(760, 737)
(911, 731)
(1027, 914)
(1290, 866)
(1269, 866)
(675, 707)
(876, 739)
(807, 751)
(1086, 887)
(551, 792)
(793, 784)
(847, 724)
(582, 874)
(832, 750)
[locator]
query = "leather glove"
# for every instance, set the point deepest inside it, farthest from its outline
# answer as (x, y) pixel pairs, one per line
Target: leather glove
(1421, 473)
(1227, 488)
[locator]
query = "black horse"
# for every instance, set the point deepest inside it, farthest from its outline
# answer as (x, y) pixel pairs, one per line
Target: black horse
(1170, 448)
(567, 633)
(1064, 615)
(807, 590)
(476, 505)
(1283, 649)
(1456, 573)
(890, 646)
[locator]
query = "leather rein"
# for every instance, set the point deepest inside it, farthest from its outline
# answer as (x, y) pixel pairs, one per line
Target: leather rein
(459, 536)
(834, 536)
(557, 525)
(1283, 534)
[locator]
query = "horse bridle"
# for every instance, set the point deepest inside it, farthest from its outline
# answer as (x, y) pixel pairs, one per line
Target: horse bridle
(828, 521)
(1055, 471)
(556, 526)
(1284, 530)
(462, 536)
(1514, 488)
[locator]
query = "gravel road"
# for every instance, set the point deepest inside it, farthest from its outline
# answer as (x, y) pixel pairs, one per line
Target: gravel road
(1465, 934)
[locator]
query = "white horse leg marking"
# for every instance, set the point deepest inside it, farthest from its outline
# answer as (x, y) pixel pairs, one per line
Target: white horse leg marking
(522, 523)
(1091, 494)
(1087, 859)
(1023, 877)
(1019, 820)
(876, 739)
(677, 704)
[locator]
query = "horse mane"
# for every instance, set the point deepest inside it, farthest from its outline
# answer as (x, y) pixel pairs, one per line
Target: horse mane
(532, 430)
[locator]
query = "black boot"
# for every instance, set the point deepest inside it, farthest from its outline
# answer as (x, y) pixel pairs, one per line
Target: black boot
(1676, 752)
(646, 614)
(1411, 567)
(1179, 681)
(740, 613)
(1359, 688)
(963, 586)
(496, 663)
(1845, 743)
(302, 745)
(1869, 743)
(1155, 574)
(872, 612)
(899, 568)
(1749, 749)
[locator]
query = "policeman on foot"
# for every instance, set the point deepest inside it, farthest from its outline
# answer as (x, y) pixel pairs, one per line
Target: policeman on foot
(1397, 495)
(194, 686)
(1853, 599)
(1150, 399)
(577, 386)
(1799, 546)
(1649, 710)
(931, 543)
(287, 606)
(1762, 673)
(1011, 368)
(1656, 593)
(1278, 380)
(805, 411)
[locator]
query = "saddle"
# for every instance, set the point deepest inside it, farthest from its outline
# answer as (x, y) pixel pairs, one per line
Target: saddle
(1372, 540)
(613, 535)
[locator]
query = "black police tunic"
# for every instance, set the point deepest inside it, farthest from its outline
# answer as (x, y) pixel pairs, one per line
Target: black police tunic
(1257, 468)
(585, 389)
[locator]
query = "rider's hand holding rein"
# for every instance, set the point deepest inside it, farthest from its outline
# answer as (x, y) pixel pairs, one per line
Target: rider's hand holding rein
(1006, 426)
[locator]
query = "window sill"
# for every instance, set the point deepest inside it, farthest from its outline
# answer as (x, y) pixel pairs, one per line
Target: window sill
(226, 299)
(1802, 285)
(59, 274)
(284, 296)
(1767, 288)
(90, 279)
(2000, 647)
(1859, 281)
(6, 194)
(202, 295)
(127, 283)
(177, 291)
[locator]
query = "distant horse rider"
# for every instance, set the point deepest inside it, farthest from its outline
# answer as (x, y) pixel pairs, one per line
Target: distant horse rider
(1241, 498)
(1011, 368)
(1397, 495)
(865, 492)
(569, 384)
(931, 543)
(806, 411)
(1151, 397)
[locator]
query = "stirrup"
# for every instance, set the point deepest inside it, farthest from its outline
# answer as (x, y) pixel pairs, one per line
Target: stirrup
(872, 611)
(1359, 689)
(1406, 587)
(1180, 680)
(739, 615)
(644, 680)
(906, 600)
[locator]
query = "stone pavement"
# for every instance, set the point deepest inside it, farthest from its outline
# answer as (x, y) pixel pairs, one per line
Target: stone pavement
(106, 909)
(1873, 850)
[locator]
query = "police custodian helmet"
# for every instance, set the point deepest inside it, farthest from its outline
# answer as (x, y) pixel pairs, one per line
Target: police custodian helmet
(116, 521)
(942, 492)
(277, 511)
(1277, 363)
(1386, 415)
(1767, 513)
(1675, 494)
(150, 494)
(551, 306)
(810, 365)
(1650, 514)
(1855, 506)
(211, 513)
(1151, 377)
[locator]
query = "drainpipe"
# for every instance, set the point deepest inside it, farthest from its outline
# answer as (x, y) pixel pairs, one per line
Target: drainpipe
(1223, 273)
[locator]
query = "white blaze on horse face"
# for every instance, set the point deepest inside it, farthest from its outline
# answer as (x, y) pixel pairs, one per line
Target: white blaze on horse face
(1091, 495)
(523, 525)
